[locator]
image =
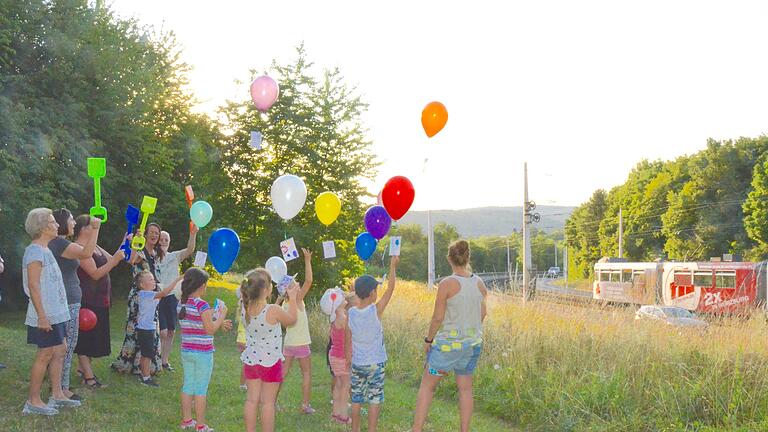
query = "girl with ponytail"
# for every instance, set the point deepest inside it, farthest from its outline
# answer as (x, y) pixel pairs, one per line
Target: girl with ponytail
(197, 330)
(263, 354)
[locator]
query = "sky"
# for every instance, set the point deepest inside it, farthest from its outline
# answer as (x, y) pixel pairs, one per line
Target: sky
(581, 91)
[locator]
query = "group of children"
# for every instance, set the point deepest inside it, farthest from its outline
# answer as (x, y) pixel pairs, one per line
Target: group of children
(356, 352)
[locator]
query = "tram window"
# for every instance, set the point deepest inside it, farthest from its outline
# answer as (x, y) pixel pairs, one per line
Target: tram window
(725, 279)
(638, 277)
(605, 276)
(626, 275)
(616, 276)
(682, 278)
(702, 279)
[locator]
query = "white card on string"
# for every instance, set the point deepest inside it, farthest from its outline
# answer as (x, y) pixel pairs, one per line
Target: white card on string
(288, 248)
(329, 250)
(394, 246)
(200, 258)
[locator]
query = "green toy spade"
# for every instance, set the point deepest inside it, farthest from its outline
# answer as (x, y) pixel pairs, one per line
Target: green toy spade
(97, 169)
(147, 208)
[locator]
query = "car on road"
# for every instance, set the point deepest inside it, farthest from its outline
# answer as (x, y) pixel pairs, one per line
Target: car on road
(553, 272)
(671, 315)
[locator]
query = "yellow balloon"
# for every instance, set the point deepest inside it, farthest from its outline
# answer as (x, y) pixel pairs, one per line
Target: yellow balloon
(327, 207)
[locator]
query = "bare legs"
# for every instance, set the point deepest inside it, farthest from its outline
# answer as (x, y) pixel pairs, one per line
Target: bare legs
(264, 395)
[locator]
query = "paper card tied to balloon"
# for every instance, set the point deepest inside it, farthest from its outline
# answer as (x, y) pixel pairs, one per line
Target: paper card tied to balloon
(200, 258)
(284, 283)
(256, 138)
(394, 246)
(329, 250)
(288, 248)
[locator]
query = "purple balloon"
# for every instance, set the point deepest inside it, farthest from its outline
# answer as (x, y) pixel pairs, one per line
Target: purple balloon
(377, 222)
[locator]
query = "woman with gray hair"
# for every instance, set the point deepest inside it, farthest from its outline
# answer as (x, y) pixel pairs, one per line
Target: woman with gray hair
(47, 313)
(68, 255)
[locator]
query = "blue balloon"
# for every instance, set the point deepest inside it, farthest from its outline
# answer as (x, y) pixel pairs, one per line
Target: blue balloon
(365, 245)
(223, 247)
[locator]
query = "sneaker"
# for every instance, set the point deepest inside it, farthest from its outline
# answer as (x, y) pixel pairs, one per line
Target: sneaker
(168, 367)
(203, 428)
(188, 424)
(76, 397)
(63, 403)
(307, 409)
(2, 366)
(149, 382)
(45, 410)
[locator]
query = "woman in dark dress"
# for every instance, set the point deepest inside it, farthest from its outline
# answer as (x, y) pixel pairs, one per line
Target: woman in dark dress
(127, 361)
(97, 290)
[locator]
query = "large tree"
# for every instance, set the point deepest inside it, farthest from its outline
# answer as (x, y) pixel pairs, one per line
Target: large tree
(76, 82)
(314, 131)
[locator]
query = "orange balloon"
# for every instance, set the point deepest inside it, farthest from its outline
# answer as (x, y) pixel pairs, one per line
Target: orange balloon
(433, 118)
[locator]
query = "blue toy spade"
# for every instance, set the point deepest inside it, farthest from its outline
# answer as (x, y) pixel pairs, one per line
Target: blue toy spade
(132, 217)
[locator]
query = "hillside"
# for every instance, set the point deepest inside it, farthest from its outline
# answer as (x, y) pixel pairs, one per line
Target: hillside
(491, 221)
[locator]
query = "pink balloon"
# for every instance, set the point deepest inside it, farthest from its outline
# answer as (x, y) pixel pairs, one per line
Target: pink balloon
(264, 92)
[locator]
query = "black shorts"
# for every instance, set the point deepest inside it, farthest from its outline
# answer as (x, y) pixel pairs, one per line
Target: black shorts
(44, 339)
(166, 312)
(146, 340)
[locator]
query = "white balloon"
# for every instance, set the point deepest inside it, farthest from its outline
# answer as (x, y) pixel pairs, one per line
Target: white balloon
(277, 268)
(289, 193)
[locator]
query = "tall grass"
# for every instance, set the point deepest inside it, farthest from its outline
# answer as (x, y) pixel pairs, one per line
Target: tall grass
(556, 367)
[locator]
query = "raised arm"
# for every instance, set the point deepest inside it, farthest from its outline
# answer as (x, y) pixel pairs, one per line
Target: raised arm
(190, 249)
(384, 301)
(286, 318)
(89, 265)
(167, 290)
(307, 274)
(75, 251)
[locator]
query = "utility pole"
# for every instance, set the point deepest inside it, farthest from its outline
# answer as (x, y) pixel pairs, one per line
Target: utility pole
(621, 234)
(526, 250)
(430, 252)
(555, 242)
(528, 218)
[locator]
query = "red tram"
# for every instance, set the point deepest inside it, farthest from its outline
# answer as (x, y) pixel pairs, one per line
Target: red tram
(709, 287)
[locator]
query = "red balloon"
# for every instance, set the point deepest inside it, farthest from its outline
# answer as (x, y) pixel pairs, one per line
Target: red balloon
(87, 319)
(397, 196)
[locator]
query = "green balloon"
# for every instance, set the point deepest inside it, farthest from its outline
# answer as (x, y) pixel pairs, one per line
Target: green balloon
(201, 213)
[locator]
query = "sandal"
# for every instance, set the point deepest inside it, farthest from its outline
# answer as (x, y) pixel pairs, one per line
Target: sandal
(341, 420)
(93, 383)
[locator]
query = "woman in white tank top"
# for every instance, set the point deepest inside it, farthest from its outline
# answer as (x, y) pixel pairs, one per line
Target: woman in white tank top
(455, 337)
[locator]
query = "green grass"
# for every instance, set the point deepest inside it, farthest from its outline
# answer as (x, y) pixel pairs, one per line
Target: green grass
(128, 406)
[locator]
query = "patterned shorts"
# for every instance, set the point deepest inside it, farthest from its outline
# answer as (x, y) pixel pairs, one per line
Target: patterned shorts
(368, 384)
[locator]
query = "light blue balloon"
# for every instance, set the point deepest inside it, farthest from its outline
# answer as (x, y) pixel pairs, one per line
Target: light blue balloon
(365, 245)
(223, 247)
(201, 213)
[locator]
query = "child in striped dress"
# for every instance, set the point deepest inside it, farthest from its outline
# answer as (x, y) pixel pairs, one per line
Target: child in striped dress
(197, 330)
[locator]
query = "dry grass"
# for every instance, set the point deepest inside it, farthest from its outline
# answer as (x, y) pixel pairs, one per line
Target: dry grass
(556, 367)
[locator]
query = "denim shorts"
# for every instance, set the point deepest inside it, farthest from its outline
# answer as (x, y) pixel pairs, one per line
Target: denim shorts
(198, 367)
(461, 361)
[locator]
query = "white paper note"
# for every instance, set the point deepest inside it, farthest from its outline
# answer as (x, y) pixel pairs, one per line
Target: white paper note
(200, 258)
